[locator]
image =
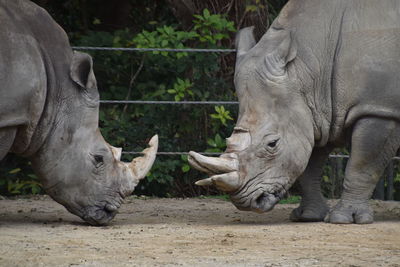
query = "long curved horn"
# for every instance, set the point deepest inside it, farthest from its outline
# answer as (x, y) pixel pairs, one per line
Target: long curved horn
(223, 164)
(140, 166)
(226, 182)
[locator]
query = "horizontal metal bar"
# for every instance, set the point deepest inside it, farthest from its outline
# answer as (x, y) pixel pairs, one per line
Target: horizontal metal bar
(132, 49)
(172, 153)
(348, 156)
(169, 102)
(339, 156)
(218, 154)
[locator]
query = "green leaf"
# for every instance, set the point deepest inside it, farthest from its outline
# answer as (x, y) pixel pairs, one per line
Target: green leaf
(185, 168)
(198, 17)
(180, 81)
(206, 13)
(96, 21)
(35, 190)
(164, 43)
(213, 150)
(251, 8)
(13, 171)
(223, 120)
(218, 139)
(227, 116)
(211, 142)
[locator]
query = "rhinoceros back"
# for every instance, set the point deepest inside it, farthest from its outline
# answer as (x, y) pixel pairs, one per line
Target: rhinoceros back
(29, 43)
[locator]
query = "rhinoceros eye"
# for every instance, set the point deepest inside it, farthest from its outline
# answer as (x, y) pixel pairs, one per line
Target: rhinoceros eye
(269, 146)
(98, 160)
(272, 144)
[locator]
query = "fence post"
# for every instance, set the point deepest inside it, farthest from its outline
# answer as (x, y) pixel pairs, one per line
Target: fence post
(339, 177)
(389, 181)
(379, 192)
(334, 173)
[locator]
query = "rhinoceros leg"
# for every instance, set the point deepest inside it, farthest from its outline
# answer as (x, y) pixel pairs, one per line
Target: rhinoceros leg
(374, 142)
(7, 136)
(313, 207)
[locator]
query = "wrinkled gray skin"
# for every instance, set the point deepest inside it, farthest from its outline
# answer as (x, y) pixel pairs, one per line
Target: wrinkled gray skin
(325, 73)
(49, 113)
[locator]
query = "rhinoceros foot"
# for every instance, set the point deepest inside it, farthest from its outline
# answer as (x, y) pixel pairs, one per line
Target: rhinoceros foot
(350, 212)
(310, 212)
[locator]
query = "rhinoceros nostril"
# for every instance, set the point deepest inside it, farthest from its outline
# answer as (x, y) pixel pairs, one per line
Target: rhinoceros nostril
(264, 202)
(110, 208)
(261, 200)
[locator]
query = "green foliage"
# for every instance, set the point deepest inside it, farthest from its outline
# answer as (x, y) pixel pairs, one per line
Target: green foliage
(185, 166)
(180, 89)
(256, 6)
(291, 200)
(164, 37)
(19, 180)
(212, 28)
(221, 114)
(216, 144)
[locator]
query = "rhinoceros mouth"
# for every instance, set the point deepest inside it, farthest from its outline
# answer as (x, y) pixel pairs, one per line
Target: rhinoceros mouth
(266, 201)
(261, 199)
(98, 216)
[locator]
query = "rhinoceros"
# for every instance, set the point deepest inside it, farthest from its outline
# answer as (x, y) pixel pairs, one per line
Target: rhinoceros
(325, 74)
(49, 105)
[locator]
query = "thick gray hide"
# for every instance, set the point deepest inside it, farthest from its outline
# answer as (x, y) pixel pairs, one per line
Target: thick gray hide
(49, 113)
(325, 74)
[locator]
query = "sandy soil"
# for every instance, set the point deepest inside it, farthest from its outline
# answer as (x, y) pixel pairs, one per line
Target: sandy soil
(191, 232)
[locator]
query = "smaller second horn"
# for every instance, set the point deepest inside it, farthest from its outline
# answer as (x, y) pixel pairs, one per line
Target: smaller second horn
(227, 182)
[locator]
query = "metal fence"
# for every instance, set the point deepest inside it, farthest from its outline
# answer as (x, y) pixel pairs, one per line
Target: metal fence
(384, 189)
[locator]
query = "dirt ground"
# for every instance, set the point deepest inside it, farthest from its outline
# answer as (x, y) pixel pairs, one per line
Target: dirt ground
(191, 232)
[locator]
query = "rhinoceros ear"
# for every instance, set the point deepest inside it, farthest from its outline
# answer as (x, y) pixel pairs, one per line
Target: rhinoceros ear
(285, 52)
(81, 70)
(244, 41)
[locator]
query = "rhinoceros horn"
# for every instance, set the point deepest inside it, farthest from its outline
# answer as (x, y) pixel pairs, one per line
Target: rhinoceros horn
(223, 170)
(244, 41)
(137, 169)
(140, 166)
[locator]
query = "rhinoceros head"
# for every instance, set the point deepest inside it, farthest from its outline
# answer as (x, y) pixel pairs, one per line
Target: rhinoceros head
(273, 138)
(79, 169)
